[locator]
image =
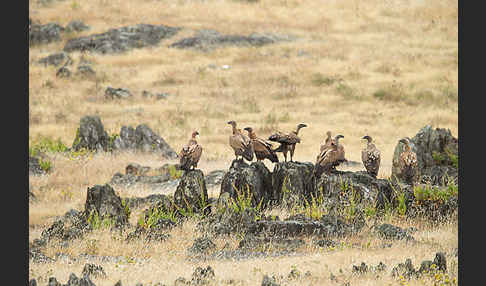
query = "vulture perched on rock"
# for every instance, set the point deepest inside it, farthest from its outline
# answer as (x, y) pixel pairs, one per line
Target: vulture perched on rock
(287, 141)
(190, 153)
(263, 149)
(240, 143)
(408, 163)
(330, 156)
(371, 157)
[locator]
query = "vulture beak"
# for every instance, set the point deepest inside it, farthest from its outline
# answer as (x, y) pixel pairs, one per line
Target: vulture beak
(197, 133)
(302, 125)
(340, 136)
(246, 128)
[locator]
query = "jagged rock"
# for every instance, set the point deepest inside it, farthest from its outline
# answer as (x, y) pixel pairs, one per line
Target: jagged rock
(255, 178)
(122, 39)
(83, 281)
(434, 147)
(143, 139)
(91, 135)
(150, 234)
(32, 282)
(389, 231)
(326, 243)
(76, 26)
(292, 182)
(36, 256)
(103, 200)
(112, 93)
(406, 270)
(209, 39)
(53, 282)
(44, 34)
(191, 193)
(56, 59)
(93, 270)
(70, 226)
(363, 268)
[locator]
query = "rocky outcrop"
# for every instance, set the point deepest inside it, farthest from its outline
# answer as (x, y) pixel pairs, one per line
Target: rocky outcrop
(44, 34)
(245, 181)
(93, 270)
(191, 193)
(437, 155)
(102, 200)
(292, 182)
(389, 231)
(121, 39)
(56, 59)
(76, 26)
(210, 39)
(143, 139)
(91, 135)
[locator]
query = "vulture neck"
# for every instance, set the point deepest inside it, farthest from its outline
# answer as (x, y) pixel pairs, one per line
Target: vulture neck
(235, 130)
(407, 147)
(252, 135)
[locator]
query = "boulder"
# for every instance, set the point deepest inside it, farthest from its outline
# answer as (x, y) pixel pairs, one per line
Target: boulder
(103, 200)
(63, 72)
(34, 166)
(247, 180)
(91, 135)
(292, 182)
(202, 245)
(437, 154)
(71, 225)
(121, 39)
(191, 193)
(143, 139)
(92, 270)
(389, 231)
(85, 71)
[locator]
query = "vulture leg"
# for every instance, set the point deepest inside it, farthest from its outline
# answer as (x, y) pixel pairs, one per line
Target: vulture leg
(292, 148)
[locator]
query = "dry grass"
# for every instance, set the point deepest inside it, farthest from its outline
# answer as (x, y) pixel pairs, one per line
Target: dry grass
(382, 68)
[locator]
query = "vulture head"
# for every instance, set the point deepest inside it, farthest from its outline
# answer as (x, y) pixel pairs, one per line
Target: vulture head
(232, 123)
(194, 134)
(367, 138)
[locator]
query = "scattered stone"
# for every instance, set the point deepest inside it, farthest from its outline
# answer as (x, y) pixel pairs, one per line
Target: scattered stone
(75, 281)
(326, 243)
(202, 276)
(63, 72)
(122, 39)
(36, 256)
(389, 231)
(34, 166)
(56, 59)
(53, 282)
(44, 34)
(269, 281)
(202, 245)
(92, 270)
(405, 269)
(86, 71)
(209, 39)
(157, 96)
(76, 26)
(32, 282)
(118, 93)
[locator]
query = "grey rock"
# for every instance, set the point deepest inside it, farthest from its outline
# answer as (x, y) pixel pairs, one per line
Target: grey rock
(210, 39)
(32, 282)
(106, 203)
(202, 276)
(202, 245)
(117, 93)
(76, 26)
(191, 193)
(269, 281)
(427, 143)
(85, 70)
(56, 59)
(389, 231)
(292, 182)
(241, 178)
(44, 34)
(93, 270)
(162, 95)
(91, 135)
(34, 166)
(122, 39)
(53, 282)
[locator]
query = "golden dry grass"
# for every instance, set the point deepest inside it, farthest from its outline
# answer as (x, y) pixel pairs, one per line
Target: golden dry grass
(382, 68)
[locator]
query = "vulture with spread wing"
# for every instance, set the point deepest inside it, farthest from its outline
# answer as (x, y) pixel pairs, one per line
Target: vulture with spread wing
(263, 149)
(287, 141)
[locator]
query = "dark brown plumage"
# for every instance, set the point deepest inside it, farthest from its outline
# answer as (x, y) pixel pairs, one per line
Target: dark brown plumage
(371, 157)
(287, 141)
(190, 153)
(327, 142)
(330, 156)
(408, 163)
(240, 143)
(262, 148)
